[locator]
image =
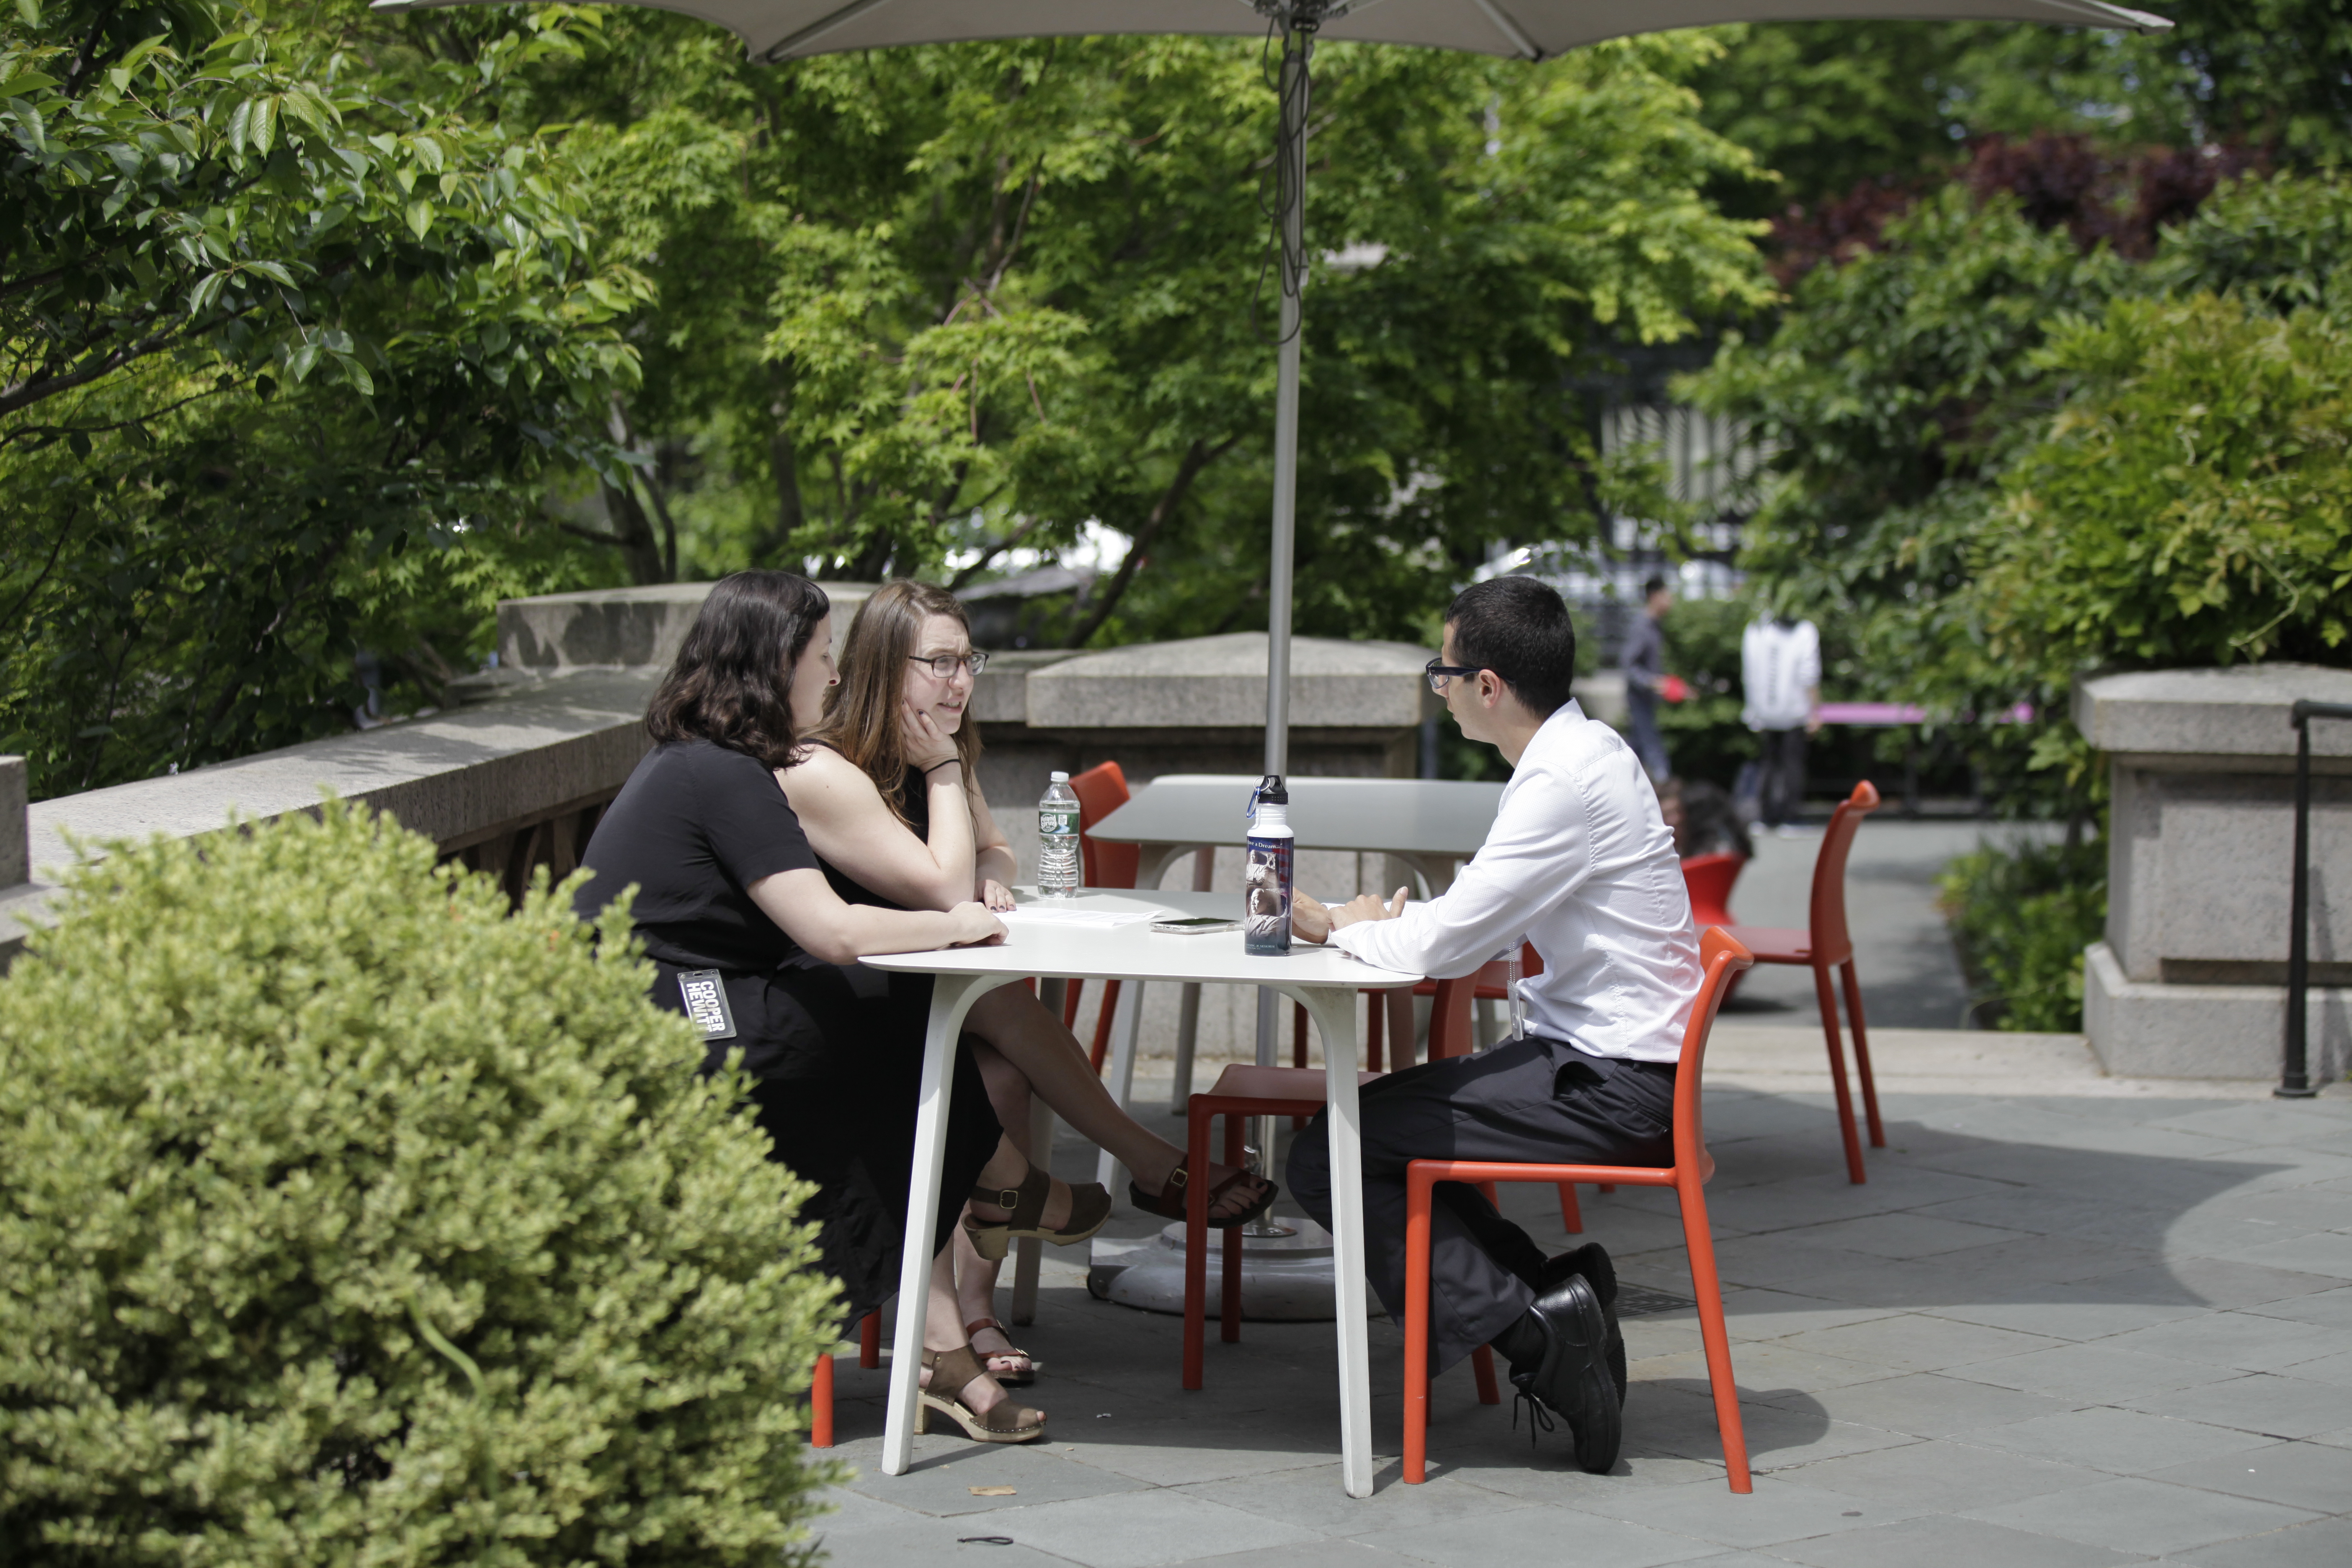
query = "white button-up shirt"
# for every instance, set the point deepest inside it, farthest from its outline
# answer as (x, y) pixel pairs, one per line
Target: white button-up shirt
(1580, 864)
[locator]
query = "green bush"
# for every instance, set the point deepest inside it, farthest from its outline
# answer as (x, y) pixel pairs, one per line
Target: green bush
(344, 1219)
(2022, 917)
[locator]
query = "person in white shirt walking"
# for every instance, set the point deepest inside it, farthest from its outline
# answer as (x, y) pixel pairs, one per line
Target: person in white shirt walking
(1580, 864)
(1780, 669)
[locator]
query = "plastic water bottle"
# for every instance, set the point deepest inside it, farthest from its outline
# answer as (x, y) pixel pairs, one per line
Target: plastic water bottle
(1058, 840)
(1265, 872)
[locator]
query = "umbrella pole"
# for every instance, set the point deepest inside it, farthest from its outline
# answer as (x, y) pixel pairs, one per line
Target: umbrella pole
(1290, 189)
(1290, 185)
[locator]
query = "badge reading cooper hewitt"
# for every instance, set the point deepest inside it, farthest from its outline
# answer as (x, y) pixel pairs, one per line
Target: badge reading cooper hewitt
(705, 995)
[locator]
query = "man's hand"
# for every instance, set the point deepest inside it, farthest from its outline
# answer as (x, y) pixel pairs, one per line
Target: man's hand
(1313, 920)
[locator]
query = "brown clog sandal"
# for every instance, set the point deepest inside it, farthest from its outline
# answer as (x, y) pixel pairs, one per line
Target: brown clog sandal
(954, 1371)
(1169, 1203)
(1020, 1376)
(1089, 1208)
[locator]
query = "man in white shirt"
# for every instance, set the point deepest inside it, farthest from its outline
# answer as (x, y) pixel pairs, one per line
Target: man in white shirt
(1780, 671)
(1580, 864)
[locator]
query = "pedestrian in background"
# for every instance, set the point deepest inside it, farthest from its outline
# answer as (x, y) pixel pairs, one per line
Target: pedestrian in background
(1780, 665)
(1645, 677)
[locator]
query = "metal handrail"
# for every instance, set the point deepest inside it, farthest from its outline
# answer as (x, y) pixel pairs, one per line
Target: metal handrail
(2294, 1081)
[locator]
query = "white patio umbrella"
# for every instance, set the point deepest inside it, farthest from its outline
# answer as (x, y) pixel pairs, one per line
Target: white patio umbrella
(775, 30)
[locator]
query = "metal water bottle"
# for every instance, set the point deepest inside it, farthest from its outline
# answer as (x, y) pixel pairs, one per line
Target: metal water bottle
(1059, 871)
(1265, 871)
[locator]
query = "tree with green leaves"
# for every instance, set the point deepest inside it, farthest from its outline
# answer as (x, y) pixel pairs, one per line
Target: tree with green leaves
(291, 327)
(937, 304)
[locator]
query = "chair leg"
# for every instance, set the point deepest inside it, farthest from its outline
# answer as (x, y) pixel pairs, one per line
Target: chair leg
(1708, 1288)
(1482, 1361)
(1229, 1306)
(821, 1403)
(1837, 1076)
(1862, 1054)
(869, 1341)
(1070, 1004)
(1416, 1330)
(1103, 1023)
(1196, 1243)
(1376, 1004)
(1572, 1218)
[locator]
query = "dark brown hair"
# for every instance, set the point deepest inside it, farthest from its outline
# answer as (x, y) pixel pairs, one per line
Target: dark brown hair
(861, 714)
(731, 681)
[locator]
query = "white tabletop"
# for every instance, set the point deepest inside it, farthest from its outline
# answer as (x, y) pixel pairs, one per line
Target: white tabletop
(1136, 952)
(1400, 817)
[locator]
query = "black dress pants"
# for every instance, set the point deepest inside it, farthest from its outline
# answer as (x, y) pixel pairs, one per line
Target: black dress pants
(1783, 774)
(1527, 1098)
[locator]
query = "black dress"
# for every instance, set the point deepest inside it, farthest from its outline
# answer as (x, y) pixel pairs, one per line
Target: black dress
(834, 1073)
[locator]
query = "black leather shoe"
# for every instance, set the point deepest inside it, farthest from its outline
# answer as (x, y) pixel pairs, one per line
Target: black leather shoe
(1572, 1379)
(1592, 1261)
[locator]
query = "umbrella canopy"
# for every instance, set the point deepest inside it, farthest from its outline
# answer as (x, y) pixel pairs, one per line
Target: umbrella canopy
(1531, 29)
(774, 30)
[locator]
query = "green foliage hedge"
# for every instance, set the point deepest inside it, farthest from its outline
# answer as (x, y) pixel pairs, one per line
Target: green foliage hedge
(344, 1219)
(2022, 917)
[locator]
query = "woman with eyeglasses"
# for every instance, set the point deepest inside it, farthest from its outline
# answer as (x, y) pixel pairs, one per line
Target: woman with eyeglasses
(889, 795)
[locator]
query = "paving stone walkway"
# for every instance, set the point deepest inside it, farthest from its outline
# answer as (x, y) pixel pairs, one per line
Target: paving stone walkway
(2055, 1329)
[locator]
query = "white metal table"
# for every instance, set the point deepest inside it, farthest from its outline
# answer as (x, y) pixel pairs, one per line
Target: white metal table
(1324, 981)
(1429, 824)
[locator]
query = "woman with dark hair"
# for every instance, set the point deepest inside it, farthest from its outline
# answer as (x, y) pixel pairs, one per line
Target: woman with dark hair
(888, 794)
(750, 940)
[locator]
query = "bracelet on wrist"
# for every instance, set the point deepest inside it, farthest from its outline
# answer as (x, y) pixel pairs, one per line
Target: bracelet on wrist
(934, 767)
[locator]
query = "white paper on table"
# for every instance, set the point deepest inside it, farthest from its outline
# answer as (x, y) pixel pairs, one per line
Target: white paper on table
(1084, 920)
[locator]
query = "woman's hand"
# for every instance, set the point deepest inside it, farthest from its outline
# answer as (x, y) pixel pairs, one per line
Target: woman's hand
(927, 744)
(995, 894)
(975, 926)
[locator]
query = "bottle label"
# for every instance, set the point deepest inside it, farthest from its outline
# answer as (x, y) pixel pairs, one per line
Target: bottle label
(1265, 896)
(1055, 821)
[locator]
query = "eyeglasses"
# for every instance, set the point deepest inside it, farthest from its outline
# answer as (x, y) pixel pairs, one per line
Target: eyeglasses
(1439, 674)
(943, 666)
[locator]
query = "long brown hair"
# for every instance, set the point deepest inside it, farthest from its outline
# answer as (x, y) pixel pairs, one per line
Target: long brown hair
(861, 714)
(731, 681)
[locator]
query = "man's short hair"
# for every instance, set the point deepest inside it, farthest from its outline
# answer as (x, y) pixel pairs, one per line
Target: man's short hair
(1517, 627)
(1653, 587)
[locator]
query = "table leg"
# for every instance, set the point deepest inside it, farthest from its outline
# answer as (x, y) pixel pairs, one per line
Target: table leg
(1124, 1021)
(1334, 1009)
(951, 997)
(1154, 860)
(1188, 1011)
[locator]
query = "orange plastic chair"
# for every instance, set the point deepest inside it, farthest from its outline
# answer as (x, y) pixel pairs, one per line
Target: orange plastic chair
(1241, 1092)
(1709, 879)
(1101, 789)
(1724, 957)
(869, 1354)
(1826, 946)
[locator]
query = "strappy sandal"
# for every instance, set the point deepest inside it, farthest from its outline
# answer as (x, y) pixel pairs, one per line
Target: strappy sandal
(1169, 1202)
(954, 1371)
(1089, 1209)
(1013, 1377)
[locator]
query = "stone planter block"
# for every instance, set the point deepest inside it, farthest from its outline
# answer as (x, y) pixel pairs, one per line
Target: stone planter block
(2191, 981)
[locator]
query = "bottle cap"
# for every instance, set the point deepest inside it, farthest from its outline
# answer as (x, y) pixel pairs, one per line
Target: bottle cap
(1058, 778)
(1270, 790)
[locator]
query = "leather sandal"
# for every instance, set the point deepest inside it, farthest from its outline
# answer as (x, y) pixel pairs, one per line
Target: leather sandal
(1011, 1377)
(1089, 1209)
(954, 1371)
(1169, 1202)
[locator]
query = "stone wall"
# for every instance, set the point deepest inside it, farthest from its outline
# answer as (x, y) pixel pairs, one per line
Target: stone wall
(2191, 981)
(516, 778)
